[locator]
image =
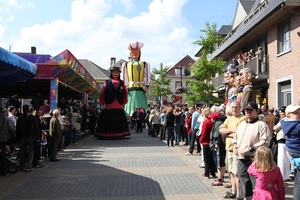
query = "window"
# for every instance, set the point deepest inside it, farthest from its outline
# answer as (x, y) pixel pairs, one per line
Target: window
(285, 92)
(177, 84)
(178, 71)
(284, 37)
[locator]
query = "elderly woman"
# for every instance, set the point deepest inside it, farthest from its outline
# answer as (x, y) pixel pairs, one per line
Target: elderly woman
(153, 120)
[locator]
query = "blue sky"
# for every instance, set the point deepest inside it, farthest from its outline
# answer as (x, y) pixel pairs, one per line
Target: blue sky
(100, 29)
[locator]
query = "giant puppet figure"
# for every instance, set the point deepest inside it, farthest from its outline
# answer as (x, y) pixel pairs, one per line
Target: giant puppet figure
(246, 75)
(231, 90)
(136, 76)
(112, 122)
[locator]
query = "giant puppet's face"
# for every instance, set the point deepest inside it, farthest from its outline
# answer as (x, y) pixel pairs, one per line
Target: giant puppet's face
(135, 53)
(115, 74)
(237, 82)
(245, 77)
(229, 77)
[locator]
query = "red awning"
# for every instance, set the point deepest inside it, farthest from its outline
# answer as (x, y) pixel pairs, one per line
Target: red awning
(70, 72)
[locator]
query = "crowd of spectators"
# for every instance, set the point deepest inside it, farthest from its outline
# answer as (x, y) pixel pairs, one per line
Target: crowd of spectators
(218, 134)
(226, 138)
(39, 135)
(244, 58)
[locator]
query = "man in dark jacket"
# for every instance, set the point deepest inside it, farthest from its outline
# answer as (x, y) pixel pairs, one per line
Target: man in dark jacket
(5, 129)
(37, 101)
(27, 132)
(37, 148)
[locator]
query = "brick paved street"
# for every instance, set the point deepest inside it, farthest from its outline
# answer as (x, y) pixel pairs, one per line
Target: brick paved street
(139, 167)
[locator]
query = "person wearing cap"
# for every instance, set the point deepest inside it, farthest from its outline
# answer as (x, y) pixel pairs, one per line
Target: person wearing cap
(136, 76)
(291, 130)
(204, 139)
(217, 146)
(250, 134)
(112, 122)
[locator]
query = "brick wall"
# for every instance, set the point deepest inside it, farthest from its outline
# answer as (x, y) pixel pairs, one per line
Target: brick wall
(285, 65)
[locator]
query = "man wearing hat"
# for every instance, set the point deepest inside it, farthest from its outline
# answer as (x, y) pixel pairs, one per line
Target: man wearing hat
(250, 134)
(136, 76)
(112, 121)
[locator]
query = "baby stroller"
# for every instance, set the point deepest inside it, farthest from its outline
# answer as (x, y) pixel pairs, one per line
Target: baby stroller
(13, 159)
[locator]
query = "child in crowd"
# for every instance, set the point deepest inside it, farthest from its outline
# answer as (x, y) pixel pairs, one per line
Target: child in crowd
(291, 130)
(269, 181)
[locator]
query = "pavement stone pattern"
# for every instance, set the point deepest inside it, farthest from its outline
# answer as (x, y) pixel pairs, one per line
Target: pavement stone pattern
(137, 167)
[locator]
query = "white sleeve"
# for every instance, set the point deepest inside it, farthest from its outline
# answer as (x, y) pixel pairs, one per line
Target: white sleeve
(125, 75)
(147, 74)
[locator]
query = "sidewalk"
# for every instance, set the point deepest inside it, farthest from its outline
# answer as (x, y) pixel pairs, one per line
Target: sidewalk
(139, 167)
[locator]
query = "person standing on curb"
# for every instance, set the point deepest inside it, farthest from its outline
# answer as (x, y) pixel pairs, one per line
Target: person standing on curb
(55, 132)
(195, 127)
(228, 129)
(250, 134)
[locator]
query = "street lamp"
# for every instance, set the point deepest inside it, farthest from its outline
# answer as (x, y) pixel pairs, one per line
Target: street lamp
(180, 68)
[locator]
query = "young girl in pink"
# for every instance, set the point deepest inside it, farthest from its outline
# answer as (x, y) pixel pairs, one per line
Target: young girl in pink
(269, 181)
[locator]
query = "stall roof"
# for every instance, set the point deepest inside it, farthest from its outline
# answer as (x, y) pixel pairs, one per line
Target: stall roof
(13, 68)
(70, 72)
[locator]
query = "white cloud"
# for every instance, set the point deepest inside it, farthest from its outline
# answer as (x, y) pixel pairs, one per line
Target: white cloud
(128, 4)
(11, 18)
(19, 4)
(91, 34)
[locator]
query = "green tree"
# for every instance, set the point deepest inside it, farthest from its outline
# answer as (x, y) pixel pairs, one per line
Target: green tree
(202, 71)
(160, 84)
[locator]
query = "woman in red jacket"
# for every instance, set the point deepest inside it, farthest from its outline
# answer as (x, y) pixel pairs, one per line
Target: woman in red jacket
(204, 139)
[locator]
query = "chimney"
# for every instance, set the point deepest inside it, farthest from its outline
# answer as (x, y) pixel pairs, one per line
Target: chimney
(33, 50)
(112, 61)
(129, 59)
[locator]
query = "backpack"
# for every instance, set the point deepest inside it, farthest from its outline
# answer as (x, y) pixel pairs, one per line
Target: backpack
(7, 103)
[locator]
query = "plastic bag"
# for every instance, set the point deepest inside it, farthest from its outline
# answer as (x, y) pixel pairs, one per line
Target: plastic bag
(44, 138)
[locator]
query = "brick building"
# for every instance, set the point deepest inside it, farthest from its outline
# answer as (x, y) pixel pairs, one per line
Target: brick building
(274, 26)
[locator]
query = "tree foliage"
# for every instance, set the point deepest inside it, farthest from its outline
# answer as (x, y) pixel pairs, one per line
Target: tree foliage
(160, 84)
(202, 71)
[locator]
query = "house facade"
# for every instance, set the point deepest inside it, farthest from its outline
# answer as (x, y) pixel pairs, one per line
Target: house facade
(179, 75)
(275, 27)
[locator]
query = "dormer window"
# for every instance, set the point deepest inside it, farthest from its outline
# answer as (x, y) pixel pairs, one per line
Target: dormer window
(177, 71)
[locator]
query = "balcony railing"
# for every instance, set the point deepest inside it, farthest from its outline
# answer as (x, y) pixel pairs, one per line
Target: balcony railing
(259, 65)
(292, 2)
(218, 81)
